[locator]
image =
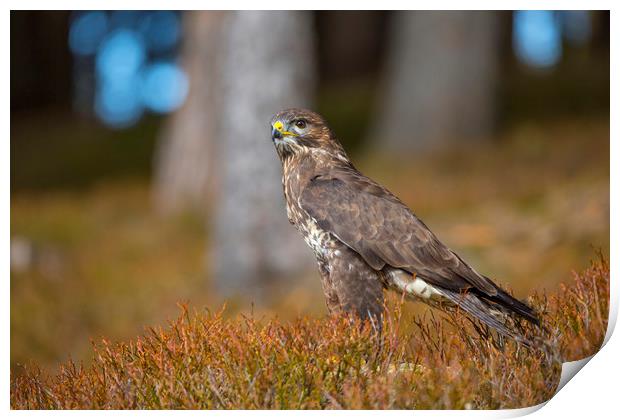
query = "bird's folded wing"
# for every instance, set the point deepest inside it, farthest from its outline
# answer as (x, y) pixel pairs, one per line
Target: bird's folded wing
(374, 223)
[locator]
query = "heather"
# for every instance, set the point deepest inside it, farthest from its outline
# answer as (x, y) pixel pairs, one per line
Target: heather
(206, 360)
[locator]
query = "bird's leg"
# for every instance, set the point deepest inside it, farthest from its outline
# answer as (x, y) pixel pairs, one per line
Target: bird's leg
(331, 296)
(359, 288)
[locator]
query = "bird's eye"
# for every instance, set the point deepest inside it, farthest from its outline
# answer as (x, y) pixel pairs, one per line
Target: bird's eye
(300, 124)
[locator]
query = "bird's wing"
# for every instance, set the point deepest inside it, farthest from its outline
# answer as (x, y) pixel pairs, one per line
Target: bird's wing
(374, 223)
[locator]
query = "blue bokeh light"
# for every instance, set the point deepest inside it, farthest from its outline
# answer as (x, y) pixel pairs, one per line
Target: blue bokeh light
(125, 19)
(164, 87)
(537, 37)
(577, 26)
(118, 103)
(121, 55)
(86, 32)
(161, 30)
(132, 67)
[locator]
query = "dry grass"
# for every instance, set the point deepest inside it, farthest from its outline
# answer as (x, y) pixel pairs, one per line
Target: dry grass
(204, 360)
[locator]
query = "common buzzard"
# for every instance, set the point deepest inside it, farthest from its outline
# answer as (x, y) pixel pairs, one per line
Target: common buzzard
(366, 240)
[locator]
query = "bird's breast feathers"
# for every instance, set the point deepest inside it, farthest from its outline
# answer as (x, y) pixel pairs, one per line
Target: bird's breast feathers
(318, 239)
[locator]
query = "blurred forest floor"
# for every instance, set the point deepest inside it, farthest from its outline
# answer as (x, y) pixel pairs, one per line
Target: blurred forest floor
(527, 210)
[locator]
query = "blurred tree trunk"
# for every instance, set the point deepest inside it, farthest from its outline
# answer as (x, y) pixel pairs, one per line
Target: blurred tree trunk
(268, 65)
(184, 162)
(244, 67)
(440, 80)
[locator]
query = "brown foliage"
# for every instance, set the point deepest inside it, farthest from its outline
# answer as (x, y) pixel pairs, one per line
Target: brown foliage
(203, 360)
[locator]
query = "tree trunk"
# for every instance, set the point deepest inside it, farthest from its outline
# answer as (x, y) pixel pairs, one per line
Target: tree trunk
(216, 152)
(184, 162)
(268, 66)
(440, 80)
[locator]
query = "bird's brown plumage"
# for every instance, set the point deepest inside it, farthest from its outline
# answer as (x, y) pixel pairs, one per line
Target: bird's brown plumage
(362, 234)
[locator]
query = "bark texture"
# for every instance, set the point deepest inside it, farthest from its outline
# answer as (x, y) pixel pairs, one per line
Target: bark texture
(269, 66)
(217, 152)
(440, 80)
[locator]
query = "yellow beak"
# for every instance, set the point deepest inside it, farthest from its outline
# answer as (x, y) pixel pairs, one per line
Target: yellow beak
(278, 131)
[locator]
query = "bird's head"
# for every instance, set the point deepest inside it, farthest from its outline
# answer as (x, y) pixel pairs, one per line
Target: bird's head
(296, 130)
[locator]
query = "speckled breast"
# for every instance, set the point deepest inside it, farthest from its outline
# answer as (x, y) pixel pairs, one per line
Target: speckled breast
(319, 240)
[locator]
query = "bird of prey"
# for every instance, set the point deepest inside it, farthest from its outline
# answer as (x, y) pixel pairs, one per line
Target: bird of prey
(366, 240)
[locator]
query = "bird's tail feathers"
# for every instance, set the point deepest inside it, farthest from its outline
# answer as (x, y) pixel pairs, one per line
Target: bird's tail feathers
(515, 305)
(493, 315)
